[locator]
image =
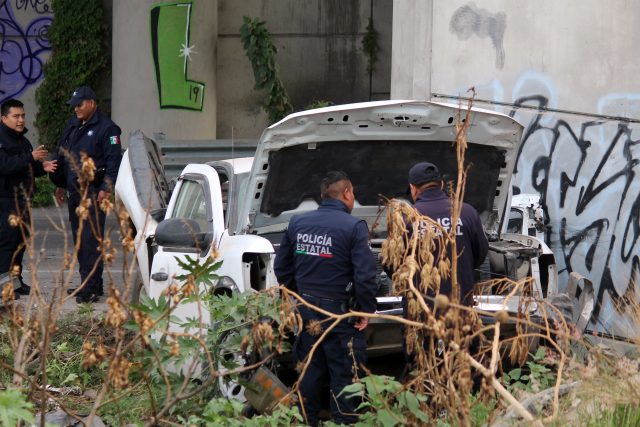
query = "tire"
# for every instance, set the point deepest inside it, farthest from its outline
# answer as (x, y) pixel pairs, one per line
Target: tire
(137, 289)
(231, 388)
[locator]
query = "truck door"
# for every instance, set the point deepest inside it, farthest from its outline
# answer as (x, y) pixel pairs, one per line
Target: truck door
(196, 202)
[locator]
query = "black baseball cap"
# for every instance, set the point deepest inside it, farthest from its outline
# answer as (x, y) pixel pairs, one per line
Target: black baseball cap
(80, 94)
(424, 172)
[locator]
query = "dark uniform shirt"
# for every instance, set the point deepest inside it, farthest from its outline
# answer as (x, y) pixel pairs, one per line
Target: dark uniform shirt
(471, 241)
(99, 138)
(323, 250)
(17, 166)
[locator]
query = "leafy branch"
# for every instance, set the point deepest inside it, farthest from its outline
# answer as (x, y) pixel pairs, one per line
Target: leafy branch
(261, 52)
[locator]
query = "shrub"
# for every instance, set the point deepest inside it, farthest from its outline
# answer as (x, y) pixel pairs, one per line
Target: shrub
(44, 193)
(78, 58)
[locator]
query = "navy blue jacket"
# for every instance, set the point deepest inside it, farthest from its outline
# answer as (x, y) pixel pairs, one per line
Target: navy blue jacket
(99, 137)
(471, 241)
(17, 166)
(323, 250)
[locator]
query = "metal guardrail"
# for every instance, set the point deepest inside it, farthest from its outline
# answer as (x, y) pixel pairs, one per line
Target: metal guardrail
(176, 154)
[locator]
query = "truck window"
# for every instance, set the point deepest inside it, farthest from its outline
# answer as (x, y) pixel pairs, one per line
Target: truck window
(191, 204)
(224, 189)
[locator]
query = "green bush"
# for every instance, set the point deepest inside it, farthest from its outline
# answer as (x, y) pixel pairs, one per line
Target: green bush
(43, 196)
(78, 58)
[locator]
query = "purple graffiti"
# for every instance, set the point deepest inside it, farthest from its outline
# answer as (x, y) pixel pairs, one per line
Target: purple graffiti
(21, 51)
(39, 6)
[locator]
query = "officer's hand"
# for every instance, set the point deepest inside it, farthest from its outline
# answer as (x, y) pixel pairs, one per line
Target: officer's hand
(361, 323)
(50, 165)
(103, 195)
(40, 154)
(60, 194)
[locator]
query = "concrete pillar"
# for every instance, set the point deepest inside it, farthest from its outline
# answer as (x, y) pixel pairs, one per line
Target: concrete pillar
(411, 52)
(154, 88)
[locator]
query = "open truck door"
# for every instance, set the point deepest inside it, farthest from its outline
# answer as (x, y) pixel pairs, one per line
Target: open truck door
(143, 190)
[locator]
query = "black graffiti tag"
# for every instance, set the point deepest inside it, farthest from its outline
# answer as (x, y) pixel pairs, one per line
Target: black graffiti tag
(573, 175)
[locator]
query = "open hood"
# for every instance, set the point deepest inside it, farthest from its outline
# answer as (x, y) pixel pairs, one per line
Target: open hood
(376, 143)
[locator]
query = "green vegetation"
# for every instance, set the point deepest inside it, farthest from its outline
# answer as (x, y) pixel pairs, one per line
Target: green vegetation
(318, 104)
(620, 415)
(370, 46)
(261, 51)
(535, 377)
(44, 192)
(78, 58)
(14, 408)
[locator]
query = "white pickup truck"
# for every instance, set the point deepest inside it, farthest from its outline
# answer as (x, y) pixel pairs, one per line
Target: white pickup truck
(241, 207)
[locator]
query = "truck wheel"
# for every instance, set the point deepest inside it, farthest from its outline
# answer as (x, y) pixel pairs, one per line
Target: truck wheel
(231, 386)
(137, 289)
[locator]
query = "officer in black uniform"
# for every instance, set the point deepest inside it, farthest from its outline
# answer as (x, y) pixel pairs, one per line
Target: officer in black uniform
(19, 164)
(91, 132)
(322, 254)
(426, 185)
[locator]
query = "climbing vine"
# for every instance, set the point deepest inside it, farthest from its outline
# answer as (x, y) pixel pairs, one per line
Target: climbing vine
(261, 51)
(78, 58)
(370, 46)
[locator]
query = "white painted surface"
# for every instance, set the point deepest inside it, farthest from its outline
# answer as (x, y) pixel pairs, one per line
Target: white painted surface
(574, 56)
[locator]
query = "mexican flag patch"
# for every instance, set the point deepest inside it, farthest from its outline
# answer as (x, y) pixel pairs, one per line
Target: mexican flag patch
(114, 140)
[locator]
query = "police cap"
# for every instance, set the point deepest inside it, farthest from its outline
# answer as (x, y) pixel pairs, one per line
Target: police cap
(423, 172)
(80, 94)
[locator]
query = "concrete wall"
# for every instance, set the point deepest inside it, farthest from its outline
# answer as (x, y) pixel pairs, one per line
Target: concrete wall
(186, 109)
(567, 71)
(24, 47)
(319, 54)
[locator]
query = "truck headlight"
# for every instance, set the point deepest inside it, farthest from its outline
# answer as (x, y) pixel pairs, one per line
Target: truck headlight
(225, 282)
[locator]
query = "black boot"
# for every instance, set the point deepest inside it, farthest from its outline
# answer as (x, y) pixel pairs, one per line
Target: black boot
(24, 289)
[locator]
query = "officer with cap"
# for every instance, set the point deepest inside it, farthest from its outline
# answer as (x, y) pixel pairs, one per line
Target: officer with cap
(94, 134)
(321, 254)
(426, 185)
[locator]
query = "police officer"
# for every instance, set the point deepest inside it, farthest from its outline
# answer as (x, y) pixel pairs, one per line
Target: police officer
(321, 253)
(426, 186)
(19, 164)
(90, 132)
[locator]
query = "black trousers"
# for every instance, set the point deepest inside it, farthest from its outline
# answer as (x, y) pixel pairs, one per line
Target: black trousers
(333, 362)
(89, 255)
(11, 240)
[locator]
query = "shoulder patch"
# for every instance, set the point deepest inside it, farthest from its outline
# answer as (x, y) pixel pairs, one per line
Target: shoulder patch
(114, 140)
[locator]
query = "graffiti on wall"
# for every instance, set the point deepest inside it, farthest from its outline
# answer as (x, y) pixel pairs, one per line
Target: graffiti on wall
(172, 52)
(39, 6)
(586, 170)
(22, 48)
(470, 20)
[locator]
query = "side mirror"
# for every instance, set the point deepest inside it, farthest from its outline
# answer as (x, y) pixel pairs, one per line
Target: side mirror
(182, 233)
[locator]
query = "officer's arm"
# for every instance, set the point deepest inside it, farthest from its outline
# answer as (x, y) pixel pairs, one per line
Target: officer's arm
(284, 267)
(364, 269)
(38, 168)
(112, 156)
(58, 177)
(10, 164)
(479, 242)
